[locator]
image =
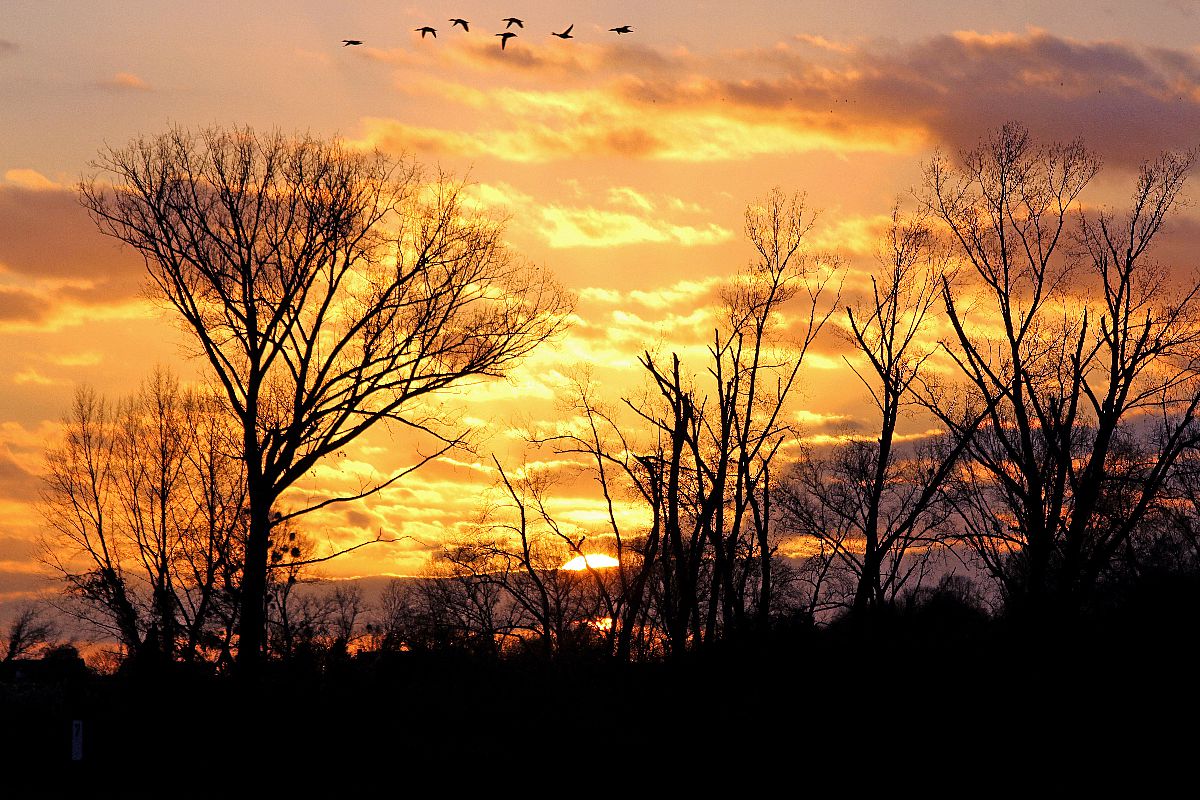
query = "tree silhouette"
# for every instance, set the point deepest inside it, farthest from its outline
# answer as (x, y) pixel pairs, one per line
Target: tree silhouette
(143, 503)
(1086, 363)
(704, 567)
(328, 289)
(31, 631)
(872, 504)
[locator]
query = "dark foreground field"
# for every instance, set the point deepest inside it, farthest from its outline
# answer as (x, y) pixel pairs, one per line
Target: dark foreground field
(939, 695)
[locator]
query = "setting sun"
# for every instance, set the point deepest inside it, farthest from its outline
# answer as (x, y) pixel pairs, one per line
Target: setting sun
(591, 560)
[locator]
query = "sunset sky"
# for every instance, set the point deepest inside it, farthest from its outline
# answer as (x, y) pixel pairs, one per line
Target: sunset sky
(623, 163)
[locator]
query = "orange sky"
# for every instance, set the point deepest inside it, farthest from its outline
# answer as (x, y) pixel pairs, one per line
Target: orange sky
(624, 165)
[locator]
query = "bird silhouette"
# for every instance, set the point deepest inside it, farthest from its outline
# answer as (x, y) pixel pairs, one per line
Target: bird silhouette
(504, 37)
(462, 22)
(513, 21)
(565, 34)
(622, 29)
(424, 30)
(348, 42)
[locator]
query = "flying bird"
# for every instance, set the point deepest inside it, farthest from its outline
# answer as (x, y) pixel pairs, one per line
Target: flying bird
(504, 37)
(462, 22)
(426, 29)
(622, 29)
(513, 21)
(565, 34)
(348, 42)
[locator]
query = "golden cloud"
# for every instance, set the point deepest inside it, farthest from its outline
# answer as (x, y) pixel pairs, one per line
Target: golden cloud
(590, 227)
(566, 226)
(29, 179)
(811, 95)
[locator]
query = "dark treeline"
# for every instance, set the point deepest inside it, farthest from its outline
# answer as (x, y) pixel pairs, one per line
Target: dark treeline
(1050, 507)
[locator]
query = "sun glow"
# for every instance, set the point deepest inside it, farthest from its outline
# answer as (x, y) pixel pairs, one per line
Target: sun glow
(591, 560)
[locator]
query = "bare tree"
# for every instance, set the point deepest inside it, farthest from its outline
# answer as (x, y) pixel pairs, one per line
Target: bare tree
(143, 505)
(704, 567)
(460, 603)
(30, 632)
(753, 377)
(328, 289)
(873, 504)
(1088, 364)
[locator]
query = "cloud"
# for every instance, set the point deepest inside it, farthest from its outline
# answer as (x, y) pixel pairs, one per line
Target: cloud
(88, 358)
(31, 377)
(16, 483)
(46, 237)
(1126, 101)
(682, 294)
(808, 95)
(630, 197)
(590, 227)
(544, 62)
(29, 179)
(632, 217)
(125, 82)
(22, 306)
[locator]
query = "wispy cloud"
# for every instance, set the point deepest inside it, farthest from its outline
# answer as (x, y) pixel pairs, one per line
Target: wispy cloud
(125, 82)
(618, 216)
(682, 294)
(806, 95)
(29, 179)
(590, 227)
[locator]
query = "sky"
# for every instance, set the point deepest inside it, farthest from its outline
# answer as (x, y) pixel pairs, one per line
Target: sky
(622, 163)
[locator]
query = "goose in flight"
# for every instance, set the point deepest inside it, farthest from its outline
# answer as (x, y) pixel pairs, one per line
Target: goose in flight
(513, 21)
(462, 22)
(622, 29)
(424, 30)
(348, 42)
(565, 34)
(504, 37)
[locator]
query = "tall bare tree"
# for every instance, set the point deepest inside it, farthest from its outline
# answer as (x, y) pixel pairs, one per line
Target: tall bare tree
(873, 504)
(704, 567)
(1088, 364)
(328, 289)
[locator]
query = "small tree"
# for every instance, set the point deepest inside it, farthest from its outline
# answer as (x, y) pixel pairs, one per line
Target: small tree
(30, 632)
(143, 502)
(328, 289)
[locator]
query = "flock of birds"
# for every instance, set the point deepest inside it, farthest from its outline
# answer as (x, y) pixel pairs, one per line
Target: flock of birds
(504, 37)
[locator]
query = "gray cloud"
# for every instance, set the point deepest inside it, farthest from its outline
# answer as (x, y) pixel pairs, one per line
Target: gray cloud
(1126, 102)
(16, 483)
(19, 305)
(47, 234)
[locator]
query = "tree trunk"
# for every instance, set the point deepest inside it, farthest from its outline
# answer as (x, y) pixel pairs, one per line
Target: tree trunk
(254, 584)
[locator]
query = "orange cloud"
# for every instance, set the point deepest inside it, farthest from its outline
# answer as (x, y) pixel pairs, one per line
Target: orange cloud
(29, 179)
(813, 95)
(125, 81)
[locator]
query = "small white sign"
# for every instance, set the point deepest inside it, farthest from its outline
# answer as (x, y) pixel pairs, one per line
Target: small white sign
(77, 740)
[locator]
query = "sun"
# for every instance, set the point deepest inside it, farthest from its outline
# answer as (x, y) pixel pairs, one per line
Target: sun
(593, 560)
